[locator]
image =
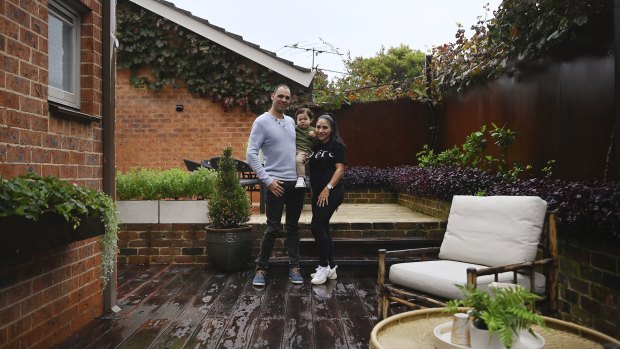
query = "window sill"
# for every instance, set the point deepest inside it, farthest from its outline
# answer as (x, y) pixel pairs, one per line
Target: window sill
(66, 112)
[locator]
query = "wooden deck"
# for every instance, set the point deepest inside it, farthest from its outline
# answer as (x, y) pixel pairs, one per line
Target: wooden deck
(176, 306)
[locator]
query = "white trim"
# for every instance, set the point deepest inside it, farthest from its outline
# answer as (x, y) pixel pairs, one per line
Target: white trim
(252, 53)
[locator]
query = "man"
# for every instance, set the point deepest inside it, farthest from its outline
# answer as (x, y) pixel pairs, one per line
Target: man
(274, 134)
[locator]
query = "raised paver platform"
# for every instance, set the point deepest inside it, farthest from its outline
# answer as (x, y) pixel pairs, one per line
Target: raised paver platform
(364, 213)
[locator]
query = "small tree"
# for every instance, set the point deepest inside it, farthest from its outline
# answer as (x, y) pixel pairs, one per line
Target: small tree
(229, 206)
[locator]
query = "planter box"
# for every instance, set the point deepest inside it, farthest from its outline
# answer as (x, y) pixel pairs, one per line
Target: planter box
(138, 211)
(163, 211)
(20, 235)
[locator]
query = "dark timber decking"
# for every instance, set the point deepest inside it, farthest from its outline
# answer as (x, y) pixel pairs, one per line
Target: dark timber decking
(178, 306)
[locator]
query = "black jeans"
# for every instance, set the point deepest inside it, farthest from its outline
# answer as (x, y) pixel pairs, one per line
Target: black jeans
(320, 224)
(293, 199)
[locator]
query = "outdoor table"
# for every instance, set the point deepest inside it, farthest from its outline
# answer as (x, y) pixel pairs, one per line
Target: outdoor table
(414, 329)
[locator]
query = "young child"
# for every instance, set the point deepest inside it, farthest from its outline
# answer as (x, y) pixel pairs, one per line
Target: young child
(305, 137)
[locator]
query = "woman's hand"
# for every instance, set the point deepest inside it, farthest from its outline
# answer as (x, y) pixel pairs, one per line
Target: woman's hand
(323, 198)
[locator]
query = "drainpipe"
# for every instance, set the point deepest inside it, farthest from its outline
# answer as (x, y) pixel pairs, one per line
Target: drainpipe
(108, 81)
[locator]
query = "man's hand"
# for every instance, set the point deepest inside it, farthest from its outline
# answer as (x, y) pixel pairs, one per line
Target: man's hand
(276, 188)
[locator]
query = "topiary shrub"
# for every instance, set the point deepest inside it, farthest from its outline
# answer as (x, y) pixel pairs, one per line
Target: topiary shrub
(229, 206)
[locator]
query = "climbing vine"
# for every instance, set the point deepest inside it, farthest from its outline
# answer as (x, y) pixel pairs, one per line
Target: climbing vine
(521, 31)
(176, 56)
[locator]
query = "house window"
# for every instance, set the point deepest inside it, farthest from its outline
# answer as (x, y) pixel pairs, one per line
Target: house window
(64, 55)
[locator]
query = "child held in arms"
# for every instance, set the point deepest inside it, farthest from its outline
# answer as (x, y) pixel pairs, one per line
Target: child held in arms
(304, 142)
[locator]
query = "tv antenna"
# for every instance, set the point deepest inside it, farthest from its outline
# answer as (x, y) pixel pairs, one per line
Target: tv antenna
(315, 51)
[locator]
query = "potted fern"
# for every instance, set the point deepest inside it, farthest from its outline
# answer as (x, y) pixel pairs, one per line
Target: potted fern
(229, 238)
(500, 316)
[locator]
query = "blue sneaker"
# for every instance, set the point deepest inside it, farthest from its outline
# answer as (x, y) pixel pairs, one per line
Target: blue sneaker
(259, 278)
(295, 276)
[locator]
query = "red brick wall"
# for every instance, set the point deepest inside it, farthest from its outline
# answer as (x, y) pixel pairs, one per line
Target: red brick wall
(151, 134)
(31, 139)
(47, 295)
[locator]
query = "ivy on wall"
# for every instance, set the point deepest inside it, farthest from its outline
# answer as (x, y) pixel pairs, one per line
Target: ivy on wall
(176, 56)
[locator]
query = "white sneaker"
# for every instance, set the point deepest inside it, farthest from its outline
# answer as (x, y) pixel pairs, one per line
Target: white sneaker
(300, 183)
(331, 275)
(320, 276)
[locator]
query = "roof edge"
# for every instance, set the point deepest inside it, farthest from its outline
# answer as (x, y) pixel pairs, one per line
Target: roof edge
(302, 76)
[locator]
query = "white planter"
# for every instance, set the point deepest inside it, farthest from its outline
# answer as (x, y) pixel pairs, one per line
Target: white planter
(163, 211)
(138, 211)
(184, 211)
(483, 339)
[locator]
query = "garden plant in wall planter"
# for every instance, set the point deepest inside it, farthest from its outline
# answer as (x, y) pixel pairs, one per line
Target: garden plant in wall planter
(45, 212)
(164, 196)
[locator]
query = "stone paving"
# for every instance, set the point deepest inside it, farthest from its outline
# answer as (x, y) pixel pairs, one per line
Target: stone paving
(363, 213)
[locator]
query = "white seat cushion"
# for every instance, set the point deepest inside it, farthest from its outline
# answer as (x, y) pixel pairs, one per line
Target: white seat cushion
(493, 230)
(439, 277)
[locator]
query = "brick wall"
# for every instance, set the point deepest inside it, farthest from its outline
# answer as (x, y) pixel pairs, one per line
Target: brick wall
(46, 296)
(431, 207)
(589, 284)
(369, 196)
(150, 133)
(30, 139)
(185, 243)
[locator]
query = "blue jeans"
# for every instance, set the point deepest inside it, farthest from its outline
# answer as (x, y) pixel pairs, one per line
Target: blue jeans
(293, 199)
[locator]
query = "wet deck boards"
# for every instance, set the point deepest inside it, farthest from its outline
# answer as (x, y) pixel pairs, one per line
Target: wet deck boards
(181, 306)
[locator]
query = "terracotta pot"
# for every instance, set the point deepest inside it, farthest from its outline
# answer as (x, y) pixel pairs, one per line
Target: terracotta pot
(229, 249)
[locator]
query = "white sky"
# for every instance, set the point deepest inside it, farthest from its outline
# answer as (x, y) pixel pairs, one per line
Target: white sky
(360, 27)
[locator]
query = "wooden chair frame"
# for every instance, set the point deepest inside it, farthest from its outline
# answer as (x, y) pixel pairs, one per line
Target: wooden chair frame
(396, 294)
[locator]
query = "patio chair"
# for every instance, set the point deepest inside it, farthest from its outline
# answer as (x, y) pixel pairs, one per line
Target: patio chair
(247, 179)
(509, 239)
(192, 165)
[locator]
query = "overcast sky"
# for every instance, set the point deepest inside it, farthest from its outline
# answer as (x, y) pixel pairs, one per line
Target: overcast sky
(360, 27)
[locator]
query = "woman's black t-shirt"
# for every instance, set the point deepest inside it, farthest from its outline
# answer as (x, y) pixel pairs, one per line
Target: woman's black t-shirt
(323, 164)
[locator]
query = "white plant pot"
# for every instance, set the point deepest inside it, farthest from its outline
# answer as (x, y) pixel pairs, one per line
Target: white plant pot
(483, 339)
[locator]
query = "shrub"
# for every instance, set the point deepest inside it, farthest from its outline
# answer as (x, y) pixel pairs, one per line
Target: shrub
(136, 184)
(173, 184)
(585, 207)
(366, 176)
(229, 207)
(153, 184)
(202, 183)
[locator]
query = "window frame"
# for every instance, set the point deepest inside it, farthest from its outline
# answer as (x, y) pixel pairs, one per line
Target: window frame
(57, 95)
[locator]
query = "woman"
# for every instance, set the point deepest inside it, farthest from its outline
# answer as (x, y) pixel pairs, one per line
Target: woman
(327, 165)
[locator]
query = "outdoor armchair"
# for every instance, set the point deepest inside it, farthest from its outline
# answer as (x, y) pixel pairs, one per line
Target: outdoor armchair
(497, 238)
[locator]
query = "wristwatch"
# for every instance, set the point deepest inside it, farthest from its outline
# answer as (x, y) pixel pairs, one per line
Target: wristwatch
(329, 187)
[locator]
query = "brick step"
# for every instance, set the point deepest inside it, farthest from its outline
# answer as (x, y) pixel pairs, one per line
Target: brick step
(366, 248)
(354, 256)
